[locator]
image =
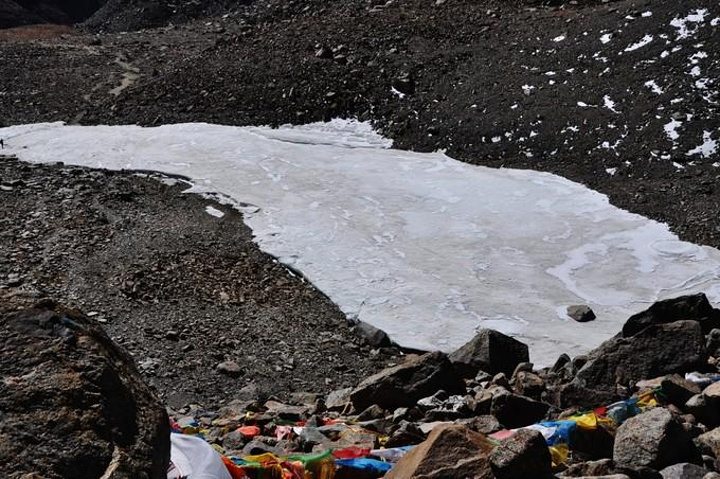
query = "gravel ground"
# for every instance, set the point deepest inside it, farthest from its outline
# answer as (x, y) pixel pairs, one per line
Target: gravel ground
(180, 289)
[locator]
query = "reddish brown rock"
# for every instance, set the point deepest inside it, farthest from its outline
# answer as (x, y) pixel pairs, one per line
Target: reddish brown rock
(450, 452)
(73, 405)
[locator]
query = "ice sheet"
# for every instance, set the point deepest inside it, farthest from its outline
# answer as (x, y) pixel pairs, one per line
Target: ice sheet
(420, 245)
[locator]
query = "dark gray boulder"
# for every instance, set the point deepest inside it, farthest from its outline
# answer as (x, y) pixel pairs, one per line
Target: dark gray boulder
(694, 307)
(657, 350)
(403, 385)
(489, 351)
(514, 411)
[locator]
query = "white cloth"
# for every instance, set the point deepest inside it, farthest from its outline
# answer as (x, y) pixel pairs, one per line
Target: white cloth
(193, 458)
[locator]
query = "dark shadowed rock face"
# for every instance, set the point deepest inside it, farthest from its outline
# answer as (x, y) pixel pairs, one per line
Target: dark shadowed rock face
(25, 12)
(490, 351)
(658, 349)
(694, 307)
(73, 404)
(403, 385)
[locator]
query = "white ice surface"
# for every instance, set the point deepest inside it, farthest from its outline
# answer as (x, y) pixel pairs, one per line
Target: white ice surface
(420, 245)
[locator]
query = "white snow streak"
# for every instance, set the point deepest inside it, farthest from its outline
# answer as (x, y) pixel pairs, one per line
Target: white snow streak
(644, 41)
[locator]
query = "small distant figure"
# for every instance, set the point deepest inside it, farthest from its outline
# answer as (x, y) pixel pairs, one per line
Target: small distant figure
(2, 144)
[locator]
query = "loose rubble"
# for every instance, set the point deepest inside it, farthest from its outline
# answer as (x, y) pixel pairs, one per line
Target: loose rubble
(657, 426)
(417, 419)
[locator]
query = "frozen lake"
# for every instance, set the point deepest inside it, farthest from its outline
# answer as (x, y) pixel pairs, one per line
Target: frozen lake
(421, 245)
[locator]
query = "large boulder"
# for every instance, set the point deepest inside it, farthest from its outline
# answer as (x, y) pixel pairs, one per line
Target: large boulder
(403, 385)
(657, 350)
(522, 455)
(685, 308)
(490, 351)
(450, 452)
(653, 439)
(73, 405)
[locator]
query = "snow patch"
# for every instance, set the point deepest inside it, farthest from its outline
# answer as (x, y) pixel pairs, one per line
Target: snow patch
(609, 104)
(654, 87)
(214, 212)
(643, 42)
(337, 204)
(681, 24)
(708, 148)
(671, 129)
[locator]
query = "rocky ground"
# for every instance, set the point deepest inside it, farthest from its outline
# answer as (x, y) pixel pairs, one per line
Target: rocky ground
(621, 96)
(643, 405)
(202, 310)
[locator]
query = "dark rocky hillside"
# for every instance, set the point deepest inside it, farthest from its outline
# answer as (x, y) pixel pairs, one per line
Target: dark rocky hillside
(26, 12)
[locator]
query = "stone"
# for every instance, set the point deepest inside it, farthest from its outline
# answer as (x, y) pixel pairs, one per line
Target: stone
(405, 435)
(657, 350)
(678, 390)
(593, 443)
(338, 399)
(700, 407)
(610, 476)
(709, 442)
(276, 409)
(706, 406)
(304, 398)
(371, 412)
(72, 400)
(257, 447)
(229, 368)
(522, 367)
(403, 385)
(602, 467)
(454, 407)
(515, 411)
(581, 313)
(375, 337)
(684, 308)
(522, 455)
(430, 402)
(712, 345)
(653, 439)
(489, 351)
(485, 424)
(449, 452)
(500, 380)
(560, 363)
(529, 384)
(683, 471)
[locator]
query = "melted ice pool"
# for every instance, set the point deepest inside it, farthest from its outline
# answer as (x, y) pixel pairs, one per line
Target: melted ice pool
(423, 246)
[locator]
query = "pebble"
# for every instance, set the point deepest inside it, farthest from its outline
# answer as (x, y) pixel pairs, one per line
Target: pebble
(229, 368)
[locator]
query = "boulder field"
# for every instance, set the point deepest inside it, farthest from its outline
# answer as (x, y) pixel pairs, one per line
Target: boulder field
(644, 404)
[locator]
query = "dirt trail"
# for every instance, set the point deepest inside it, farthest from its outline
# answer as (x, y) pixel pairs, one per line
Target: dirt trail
(129, 76)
